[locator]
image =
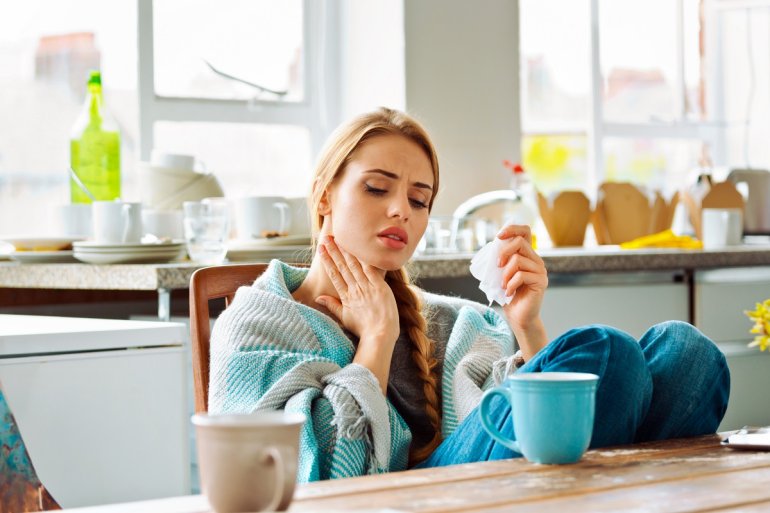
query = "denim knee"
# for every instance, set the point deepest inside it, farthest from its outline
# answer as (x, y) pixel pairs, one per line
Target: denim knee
(680, 337)
(604, 346)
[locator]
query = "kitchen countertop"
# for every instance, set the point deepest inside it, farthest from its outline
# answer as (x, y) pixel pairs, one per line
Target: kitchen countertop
(558, 260)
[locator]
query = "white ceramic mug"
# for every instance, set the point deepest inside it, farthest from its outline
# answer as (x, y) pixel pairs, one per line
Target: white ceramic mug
(117, 222)
(300, 217)
(248, 462)
(257, 215)
(74, 220)
(721, 227)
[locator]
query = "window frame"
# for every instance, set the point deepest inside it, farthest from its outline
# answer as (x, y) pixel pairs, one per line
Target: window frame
(598, 130)
(319, 111)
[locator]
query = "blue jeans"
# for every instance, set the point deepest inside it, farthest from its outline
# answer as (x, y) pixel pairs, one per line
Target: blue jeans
(674, 382)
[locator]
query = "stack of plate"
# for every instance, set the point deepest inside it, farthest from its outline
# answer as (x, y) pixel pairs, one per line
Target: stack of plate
(263, 250)
(156, 252)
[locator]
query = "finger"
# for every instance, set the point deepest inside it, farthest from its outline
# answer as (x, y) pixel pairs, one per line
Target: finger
(518, 245)
(355, 267)
(523, 278)
(331, 304)
(520, 263)
(331, 270)
(514, 230)
(339, 261)
(374, 274)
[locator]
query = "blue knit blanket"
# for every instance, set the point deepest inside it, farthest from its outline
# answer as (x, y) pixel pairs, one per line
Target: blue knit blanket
(270, 352)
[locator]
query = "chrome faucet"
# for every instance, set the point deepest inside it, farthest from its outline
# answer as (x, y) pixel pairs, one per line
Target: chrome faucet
(471, 205)
(484, 199)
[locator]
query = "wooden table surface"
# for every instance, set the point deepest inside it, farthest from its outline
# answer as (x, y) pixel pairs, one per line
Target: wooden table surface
(695, 474)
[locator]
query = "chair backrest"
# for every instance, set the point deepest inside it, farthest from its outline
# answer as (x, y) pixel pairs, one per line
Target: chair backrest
(206, 284)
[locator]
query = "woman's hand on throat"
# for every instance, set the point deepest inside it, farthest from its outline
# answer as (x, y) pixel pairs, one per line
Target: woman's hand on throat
(366, 305)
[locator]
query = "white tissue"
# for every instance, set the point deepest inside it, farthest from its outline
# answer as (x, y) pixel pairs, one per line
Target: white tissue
(485, 269)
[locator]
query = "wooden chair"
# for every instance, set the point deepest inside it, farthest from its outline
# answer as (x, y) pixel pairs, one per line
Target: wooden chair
(206, 284)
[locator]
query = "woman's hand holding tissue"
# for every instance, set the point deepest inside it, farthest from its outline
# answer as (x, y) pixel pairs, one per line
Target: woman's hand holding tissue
(526, 279)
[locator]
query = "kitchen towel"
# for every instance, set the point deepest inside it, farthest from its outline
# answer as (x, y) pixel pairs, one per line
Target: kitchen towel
(485, 269)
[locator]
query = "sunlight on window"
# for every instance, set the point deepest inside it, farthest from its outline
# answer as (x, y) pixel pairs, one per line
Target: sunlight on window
(661, 164)
(555, 162)
(257, 41)
(46, 50)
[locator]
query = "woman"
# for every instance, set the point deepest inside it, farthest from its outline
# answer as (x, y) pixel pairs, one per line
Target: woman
(389, 375)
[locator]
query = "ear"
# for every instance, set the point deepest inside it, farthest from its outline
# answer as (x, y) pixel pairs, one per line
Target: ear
(325, 204)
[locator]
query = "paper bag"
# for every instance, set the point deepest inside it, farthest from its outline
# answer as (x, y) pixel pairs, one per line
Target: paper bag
(565, 217)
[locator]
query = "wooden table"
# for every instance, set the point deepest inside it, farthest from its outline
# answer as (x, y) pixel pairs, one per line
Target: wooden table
(695, 474)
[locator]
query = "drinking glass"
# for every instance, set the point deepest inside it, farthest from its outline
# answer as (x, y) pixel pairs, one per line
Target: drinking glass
(206, 226)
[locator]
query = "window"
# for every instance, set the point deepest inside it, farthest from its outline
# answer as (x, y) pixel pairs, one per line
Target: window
(250, 87)
(247, 86)
(614, 90)
(46, 50)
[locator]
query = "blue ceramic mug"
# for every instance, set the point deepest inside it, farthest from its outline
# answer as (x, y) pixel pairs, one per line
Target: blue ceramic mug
(553, 414)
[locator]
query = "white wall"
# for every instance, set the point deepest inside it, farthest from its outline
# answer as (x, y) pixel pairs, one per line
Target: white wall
(462, 70)
(372, 56)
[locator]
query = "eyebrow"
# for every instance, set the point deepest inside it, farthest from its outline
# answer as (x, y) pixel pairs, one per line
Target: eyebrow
(396, 177)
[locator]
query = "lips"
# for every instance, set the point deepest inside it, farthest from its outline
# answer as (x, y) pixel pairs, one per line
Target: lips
(394, 237)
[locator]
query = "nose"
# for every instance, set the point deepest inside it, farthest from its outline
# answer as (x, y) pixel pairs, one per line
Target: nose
(400, 207)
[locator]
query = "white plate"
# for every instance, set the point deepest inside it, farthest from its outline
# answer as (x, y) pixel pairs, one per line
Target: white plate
(265, 254)
(129, 257)
(92, 245)
(42, 257)
(40, 244)
(144, 251)
(286, 240)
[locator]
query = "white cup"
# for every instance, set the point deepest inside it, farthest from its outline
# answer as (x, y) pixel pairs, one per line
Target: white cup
(722, 227)
(117, 222)
(300, 217)
(257, 215)
(163, 223)
(74, 220)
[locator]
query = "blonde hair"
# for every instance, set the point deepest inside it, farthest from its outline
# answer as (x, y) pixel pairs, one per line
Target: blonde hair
(331, 163)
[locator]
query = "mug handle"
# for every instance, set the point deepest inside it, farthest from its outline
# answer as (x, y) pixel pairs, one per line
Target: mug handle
(272, 453)
(487, 422)
(127, 222)
(285, 215)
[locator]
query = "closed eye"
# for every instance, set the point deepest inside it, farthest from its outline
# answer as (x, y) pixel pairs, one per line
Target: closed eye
(418, 204)
(374, 190)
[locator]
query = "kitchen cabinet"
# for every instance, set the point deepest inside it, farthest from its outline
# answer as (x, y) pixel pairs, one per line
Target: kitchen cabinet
(101, 405)
(720, 297)
(631, 302)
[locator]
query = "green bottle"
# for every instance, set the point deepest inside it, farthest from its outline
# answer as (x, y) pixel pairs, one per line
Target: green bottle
(95, 148)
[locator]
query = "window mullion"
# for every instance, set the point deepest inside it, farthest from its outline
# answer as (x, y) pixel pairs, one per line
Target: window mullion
(680, 105)
(596, 122)
(715, 107)
(229, 111)
(146, 77)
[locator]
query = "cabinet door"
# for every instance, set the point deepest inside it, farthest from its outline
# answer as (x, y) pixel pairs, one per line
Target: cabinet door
(720, 297)
(103, 427)
(631, 303)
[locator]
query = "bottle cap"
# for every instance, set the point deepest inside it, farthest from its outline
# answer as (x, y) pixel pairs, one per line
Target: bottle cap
(95, 78)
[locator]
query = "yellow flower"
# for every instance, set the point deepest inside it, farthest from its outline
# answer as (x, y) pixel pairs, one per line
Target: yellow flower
(761, 318)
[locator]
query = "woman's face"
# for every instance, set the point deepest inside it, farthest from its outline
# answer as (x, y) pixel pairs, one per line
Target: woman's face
(377, 208)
